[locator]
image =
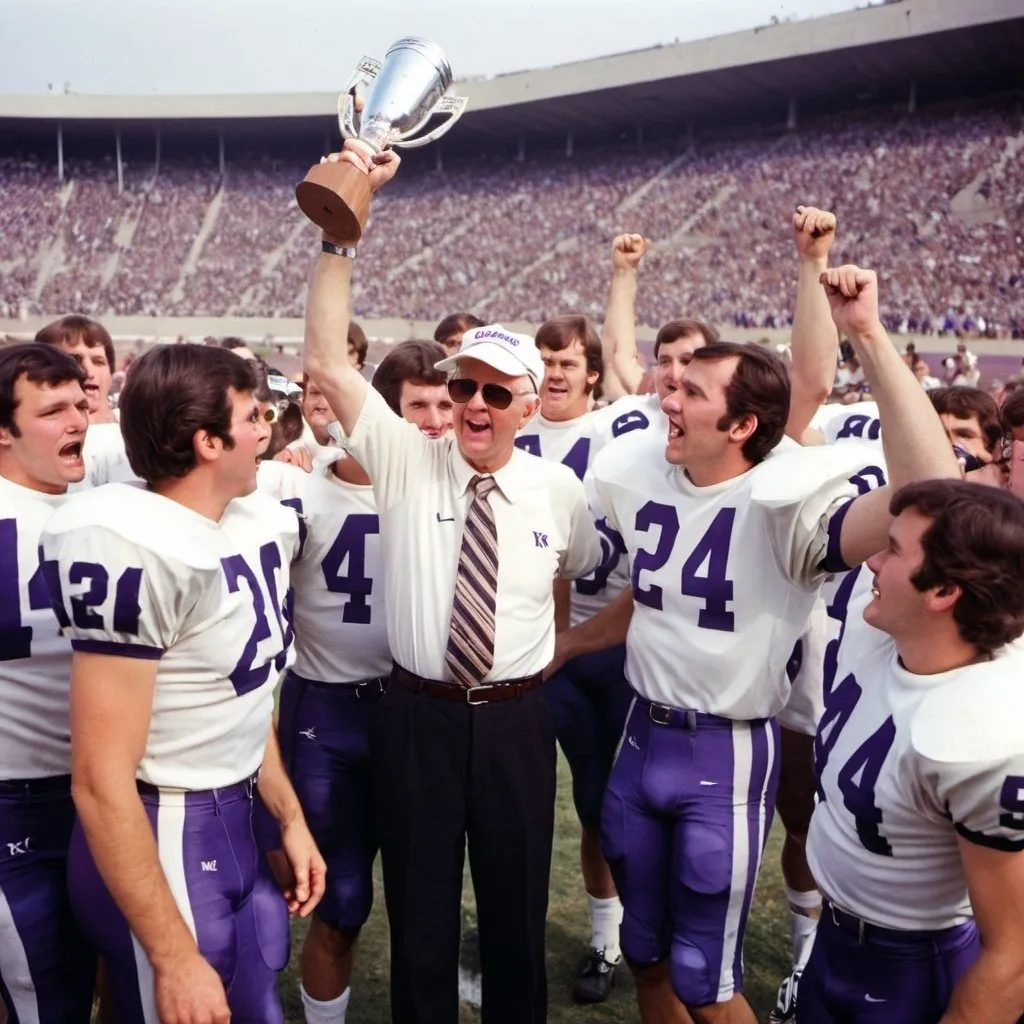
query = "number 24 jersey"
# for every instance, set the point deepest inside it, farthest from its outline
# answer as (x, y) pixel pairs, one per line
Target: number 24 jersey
(906, 764)
(724, 577)
(136, 575)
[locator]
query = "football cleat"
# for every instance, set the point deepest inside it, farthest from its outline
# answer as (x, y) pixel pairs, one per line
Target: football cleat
(595, 979)
(785, 1004)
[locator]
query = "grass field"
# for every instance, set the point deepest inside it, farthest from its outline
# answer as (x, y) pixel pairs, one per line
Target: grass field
(767, 946)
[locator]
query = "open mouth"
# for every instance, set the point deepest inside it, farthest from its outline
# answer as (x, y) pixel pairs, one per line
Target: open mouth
(72, 450)
(675, 431)
(557, 390)
(477, 429)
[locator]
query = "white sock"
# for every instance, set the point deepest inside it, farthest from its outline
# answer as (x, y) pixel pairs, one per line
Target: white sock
(605, 918)
(330, 1011)
(804, 909)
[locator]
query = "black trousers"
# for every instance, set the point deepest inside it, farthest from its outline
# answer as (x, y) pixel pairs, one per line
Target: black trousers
(445, 773)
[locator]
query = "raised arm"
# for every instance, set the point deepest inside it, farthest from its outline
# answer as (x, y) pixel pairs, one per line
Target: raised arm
(913, 438)
(622, 370)
(111, 706)
(814, 341)
(325, 351)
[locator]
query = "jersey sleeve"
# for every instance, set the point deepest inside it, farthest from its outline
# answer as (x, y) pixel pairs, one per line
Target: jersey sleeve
(391, 450)
(583, 550)
(114, 597)
(806, 494)
(969, 737)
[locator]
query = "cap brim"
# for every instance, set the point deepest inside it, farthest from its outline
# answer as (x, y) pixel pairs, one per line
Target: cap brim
(495, 356)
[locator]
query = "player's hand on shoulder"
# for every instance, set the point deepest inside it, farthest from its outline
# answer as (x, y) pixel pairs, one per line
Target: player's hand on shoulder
(299, 868)
(297, 456)
(189, 991)
(814, 231)
(853, 298)
(628, 251)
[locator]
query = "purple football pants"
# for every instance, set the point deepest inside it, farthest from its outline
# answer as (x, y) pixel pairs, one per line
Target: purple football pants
(47, 967)
(223, 888)
(685, 818)
(884, 977)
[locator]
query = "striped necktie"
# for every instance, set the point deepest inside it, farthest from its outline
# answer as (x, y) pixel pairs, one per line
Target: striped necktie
(470, 652)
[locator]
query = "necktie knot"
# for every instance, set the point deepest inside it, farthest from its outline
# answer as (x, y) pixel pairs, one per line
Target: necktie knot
(482, 486)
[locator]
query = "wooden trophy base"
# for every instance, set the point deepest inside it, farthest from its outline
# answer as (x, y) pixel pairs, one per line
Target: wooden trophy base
(336, 197)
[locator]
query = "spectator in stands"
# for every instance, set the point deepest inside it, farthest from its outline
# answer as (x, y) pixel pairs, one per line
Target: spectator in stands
(89, 342)
(448, 333)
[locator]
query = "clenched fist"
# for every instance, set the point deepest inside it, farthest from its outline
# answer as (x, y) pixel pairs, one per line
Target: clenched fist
(628, 251)
(853, 298)
(814, 231)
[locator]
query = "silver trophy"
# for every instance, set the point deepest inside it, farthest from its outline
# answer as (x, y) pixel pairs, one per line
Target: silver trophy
(399, 97)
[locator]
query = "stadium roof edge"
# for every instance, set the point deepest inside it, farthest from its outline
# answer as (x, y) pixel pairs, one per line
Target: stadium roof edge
(881, 23)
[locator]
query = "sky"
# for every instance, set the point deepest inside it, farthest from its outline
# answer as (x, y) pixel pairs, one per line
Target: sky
(172, 47)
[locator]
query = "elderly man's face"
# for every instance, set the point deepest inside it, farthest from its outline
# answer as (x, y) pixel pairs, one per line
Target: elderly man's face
(485, 434)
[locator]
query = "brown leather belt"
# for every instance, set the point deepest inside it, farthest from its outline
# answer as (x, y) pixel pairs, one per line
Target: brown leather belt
(513, 689)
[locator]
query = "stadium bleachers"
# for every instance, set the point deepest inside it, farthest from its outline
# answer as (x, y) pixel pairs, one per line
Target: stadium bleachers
(934, 199)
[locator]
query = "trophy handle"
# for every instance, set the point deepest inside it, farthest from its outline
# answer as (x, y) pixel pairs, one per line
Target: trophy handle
(348, 120)
(453, 106)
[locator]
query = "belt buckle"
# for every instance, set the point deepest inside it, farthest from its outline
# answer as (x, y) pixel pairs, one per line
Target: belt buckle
(470, 690)
(659, 714)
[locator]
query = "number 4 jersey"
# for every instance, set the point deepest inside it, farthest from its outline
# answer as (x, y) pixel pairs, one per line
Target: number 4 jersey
(136, 575)
(35, 659)
(906, 764)
(724, 577)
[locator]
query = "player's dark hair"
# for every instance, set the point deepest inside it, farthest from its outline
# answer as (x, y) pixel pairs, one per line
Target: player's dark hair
(71, 329)
(36, 363)
(970, 403)
(357, 339)
(173, 391)
(232, 343)
(411, 361)
(558, 334)
(684, 328)
(456, 323)
(1012, 410)
(975, 541)
(759, 387)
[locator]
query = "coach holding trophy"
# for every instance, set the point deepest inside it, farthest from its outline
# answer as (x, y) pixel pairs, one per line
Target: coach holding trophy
(474, 532)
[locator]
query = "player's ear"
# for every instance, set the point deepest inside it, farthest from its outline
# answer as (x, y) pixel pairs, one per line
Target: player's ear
(943, 598)
(206, 446)
(741, 429)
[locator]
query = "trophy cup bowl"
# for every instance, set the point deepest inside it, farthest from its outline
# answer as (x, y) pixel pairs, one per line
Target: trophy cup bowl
(399, 96)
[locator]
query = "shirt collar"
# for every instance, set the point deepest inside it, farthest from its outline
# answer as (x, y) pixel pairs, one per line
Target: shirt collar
(509, 478)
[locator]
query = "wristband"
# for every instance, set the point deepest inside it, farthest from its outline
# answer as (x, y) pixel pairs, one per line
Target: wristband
(339, 250)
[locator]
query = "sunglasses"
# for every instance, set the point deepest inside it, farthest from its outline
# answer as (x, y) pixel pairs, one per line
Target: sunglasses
(462, 389)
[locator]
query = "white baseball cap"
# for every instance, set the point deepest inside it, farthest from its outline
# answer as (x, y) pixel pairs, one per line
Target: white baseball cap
(513, 354)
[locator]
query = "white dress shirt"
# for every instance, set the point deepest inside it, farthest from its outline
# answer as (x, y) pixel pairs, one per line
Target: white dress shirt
(545, 531)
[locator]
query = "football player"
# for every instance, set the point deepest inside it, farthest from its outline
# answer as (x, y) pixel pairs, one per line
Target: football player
(173, 595)
(917, 834)
(47, 967)
(342, 662)
(692, 792)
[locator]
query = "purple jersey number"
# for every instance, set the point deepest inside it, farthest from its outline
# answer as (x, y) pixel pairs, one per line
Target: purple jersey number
(711, 550)
(247, 675)
(865, 762)
(612, 549)
(16, 639)
(577, 458)
(350, 544)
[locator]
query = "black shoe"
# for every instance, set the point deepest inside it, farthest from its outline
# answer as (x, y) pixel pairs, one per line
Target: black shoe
(785, 1007)
(595, 979)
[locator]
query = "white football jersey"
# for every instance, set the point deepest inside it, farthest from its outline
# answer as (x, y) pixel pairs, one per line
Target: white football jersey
(906, 763)
(575, 443)
(724, 577)
(341, 633)
(137, 575)
(106, 461)
(858, 421)
(35, 659)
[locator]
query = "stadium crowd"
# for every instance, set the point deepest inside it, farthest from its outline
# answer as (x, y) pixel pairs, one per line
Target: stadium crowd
(728, 585)
(934, 197)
